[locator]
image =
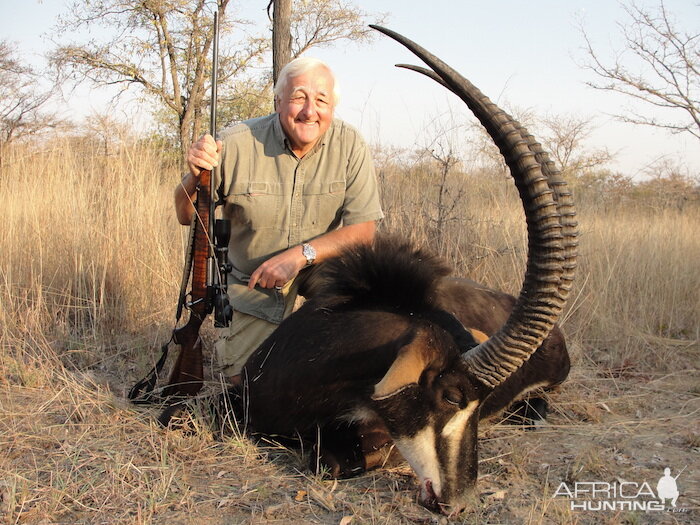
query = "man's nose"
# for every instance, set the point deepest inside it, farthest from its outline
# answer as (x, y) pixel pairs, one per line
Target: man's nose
(309, 108)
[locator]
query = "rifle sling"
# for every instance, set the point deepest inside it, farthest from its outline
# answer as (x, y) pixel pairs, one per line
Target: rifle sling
(141, 392)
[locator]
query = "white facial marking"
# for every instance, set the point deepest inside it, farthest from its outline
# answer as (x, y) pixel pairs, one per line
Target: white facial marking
(419, 451)
(459, 420)
(453, 432)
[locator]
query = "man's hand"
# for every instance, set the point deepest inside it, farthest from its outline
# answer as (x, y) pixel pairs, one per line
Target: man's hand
(283, 267)
(203, 154)
(278, 270)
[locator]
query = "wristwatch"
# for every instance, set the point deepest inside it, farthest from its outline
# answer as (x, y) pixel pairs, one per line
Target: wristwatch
(308, 251)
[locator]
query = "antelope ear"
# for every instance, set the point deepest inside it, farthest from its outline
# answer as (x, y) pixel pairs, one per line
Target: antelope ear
(478, 335)
(405, 371)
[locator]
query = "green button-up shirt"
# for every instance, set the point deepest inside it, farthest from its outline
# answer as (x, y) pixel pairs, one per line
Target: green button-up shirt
(276, 200)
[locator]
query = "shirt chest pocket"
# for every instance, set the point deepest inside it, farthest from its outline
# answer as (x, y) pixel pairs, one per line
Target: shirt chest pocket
(323, 203)
(257, 204)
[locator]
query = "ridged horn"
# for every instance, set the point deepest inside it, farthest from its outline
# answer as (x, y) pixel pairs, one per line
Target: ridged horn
(551, 238)
(562, 194)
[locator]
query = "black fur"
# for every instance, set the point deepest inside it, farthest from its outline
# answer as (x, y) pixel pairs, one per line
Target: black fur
(390, 273)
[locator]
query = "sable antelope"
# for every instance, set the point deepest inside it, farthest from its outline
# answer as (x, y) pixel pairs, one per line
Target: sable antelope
(380, 351)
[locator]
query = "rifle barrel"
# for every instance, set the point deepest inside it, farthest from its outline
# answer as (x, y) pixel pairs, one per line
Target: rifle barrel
(214, 75)
(213, 274)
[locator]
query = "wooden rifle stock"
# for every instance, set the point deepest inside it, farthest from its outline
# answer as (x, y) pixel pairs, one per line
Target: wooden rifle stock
(188, 373)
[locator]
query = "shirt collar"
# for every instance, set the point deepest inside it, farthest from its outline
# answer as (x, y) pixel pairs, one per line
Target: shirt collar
(280, 137)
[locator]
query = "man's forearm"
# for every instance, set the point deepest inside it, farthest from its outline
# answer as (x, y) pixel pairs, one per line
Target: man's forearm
(184, 195)
(331, 244)
(285, 266)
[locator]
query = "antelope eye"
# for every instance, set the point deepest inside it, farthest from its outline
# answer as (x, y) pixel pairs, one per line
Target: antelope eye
(452, 396)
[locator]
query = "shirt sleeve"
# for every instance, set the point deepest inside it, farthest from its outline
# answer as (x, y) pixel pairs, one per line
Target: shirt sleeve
(361, 192)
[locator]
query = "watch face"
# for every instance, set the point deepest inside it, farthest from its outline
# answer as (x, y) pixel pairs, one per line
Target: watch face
(308, 252)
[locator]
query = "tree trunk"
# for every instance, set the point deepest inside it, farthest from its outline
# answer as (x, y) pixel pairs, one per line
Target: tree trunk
(281, 36)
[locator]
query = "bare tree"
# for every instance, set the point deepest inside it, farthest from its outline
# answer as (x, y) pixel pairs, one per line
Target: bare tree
(564, 136)
(322, 22)
(107, 131)
(161, 46)
(659, 66)
(21, 100)
(439, 158)
(669, 183)
(447, 199)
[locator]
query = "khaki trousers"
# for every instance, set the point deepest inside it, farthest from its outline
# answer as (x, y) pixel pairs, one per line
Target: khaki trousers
(245, 333)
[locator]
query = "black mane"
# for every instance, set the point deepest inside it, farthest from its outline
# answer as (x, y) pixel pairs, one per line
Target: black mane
(390, 273)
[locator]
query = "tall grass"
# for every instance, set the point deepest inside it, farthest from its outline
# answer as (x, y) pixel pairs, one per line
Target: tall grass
(91, 254)
(89, 250)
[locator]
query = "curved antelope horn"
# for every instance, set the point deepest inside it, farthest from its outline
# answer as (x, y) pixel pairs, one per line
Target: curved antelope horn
(562, 194)
(551, 240)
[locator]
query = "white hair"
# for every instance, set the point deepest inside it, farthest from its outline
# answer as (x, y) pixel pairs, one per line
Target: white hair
(302, 65)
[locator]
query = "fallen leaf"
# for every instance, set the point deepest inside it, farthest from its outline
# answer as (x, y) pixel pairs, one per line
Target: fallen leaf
(605, 407)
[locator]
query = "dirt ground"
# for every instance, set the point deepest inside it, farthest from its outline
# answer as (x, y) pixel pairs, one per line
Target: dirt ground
(81, 454)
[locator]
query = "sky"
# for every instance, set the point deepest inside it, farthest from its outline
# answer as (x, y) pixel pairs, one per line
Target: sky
(524, 55)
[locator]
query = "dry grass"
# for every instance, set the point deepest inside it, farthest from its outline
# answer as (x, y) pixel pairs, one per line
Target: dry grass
(90, 258)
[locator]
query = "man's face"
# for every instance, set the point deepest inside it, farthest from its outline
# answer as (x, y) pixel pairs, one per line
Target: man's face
(306, 108)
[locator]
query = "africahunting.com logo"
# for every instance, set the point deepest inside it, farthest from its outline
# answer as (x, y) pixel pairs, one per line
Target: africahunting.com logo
(623, 495)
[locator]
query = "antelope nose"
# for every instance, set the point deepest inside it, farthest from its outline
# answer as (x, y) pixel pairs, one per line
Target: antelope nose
(428, 497)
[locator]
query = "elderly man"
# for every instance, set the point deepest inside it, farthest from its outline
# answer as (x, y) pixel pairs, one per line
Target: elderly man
(299, 185)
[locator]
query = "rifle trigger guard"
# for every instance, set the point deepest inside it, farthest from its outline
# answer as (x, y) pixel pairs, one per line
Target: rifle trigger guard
(190, 304)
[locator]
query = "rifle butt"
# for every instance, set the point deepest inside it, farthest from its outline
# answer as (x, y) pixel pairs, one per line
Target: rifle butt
(187, 376)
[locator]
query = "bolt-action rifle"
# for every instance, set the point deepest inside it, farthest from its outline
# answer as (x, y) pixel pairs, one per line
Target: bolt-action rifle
(207, 264)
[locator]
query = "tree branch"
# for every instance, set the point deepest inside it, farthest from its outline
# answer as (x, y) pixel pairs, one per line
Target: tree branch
(665, 61)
